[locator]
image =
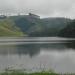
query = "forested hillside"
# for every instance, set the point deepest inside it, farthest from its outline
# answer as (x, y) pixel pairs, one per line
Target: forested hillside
(69, 30)
(31, 25)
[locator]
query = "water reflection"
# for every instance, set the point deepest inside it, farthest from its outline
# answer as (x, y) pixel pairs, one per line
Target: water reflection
(70, 44)
(30, 49)
(59, 56)
(34, 49)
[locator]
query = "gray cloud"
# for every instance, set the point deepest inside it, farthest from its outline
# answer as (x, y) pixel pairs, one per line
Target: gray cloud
(53, 8)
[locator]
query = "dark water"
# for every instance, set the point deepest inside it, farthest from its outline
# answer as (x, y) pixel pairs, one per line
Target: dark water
(38, 53)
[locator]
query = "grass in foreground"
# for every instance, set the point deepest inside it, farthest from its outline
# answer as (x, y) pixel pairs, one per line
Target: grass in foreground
(36, 73)
(24, 72)
(21, 73)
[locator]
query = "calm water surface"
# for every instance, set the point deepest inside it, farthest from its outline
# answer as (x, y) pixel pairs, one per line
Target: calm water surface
(38, 53)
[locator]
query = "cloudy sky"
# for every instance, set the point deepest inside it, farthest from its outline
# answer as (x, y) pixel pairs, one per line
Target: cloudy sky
(44, 8)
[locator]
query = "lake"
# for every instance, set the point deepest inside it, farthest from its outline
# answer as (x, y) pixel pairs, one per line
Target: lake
(38, 53)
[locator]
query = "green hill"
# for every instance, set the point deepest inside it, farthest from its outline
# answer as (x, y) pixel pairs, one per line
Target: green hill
(8, 28)
(69, 30)
(54, 25)
(31, 25)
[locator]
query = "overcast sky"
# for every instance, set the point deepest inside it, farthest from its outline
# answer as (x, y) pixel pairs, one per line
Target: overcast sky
(44, 8)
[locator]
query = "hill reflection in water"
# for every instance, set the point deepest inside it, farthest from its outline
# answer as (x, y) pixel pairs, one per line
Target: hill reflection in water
(33, 49)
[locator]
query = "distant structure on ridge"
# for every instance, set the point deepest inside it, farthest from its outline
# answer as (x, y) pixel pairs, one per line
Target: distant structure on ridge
(33, 15)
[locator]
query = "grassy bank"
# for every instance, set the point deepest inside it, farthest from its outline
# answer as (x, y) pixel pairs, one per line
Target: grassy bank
(35, 73)
(22, 73)
(9, 71)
